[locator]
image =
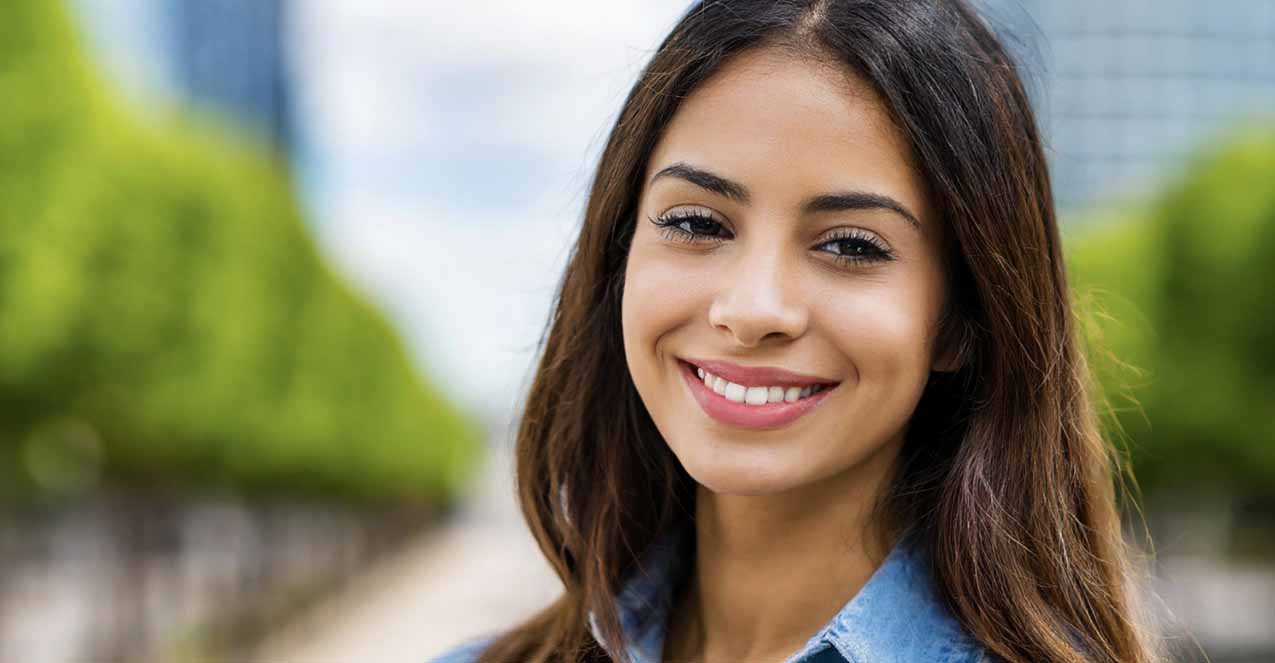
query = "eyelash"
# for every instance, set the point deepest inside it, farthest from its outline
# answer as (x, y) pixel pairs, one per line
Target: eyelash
(670, 228)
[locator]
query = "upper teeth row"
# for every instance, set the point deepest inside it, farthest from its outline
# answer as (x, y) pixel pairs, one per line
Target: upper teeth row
(754, 395)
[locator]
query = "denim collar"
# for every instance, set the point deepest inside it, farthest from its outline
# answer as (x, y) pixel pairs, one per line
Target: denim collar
(897, 617)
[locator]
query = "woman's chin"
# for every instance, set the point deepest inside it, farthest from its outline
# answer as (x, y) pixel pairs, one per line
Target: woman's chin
(749, 481)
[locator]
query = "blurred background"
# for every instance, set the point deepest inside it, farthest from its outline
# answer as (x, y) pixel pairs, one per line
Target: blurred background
(272, 273)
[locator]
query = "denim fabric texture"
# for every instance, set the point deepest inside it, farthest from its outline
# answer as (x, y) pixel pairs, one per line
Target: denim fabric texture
(897, 617)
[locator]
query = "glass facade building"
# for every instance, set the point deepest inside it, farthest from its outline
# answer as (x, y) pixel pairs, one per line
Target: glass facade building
(1127, 90)
(227, 55)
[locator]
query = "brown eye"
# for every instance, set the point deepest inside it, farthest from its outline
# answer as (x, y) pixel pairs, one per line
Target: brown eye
(855, 246)
(690, 226)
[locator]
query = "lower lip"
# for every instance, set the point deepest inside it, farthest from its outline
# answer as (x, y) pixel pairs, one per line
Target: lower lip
(726, 411)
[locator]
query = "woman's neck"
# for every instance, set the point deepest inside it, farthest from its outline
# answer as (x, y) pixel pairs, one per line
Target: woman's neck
(771, 570)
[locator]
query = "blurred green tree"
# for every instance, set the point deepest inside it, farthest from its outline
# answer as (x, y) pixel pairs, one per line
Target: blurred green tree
(166, 322)
(1180, 321)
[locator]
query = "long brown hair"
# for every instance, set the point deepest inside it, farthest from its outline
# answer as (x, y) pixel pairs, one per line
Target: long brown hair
(1004, 471)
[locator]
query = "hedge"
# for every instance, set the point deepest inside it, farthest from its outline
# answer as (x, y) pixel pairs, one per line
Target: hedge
(1180, 320)
(166, 321)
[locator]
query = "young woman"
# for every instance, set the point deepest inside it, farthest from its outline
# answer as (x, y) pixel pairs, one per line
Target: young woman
(811, 390)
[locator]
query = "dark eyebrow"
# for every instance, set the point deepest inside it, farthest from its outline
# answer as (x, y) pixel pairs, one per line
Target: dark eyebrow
(849, 200)
(705, 180)
(831, 202)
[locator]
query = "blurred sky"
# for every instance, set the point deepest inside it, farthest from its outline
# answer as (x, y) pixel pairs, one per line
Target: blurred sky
(445, 151)
(449, 157)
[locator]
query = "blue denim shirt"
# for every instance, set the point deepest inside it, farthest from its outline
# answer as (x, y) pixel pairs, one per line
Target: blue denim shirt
(897, 617)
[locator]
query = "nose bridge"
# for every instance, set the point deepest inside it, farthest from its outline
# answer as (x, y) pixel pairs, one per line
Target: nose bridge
(761, 296)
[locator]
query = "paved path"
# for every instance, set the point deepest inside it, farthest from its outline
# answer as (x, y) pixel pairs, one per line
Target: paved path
(481, 572)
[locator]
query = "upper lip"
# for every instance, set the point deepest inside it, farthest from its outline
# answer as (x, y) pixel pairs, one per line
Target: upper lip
(757, 376)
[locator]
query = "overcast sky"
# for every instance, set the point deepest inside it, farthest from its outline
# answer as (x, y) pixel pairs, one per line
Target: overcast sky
(445, 151)
(450, 148)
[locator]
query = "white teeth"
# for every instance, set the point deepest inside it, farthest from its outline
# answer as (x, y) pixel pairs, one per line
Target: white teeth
(755, 395)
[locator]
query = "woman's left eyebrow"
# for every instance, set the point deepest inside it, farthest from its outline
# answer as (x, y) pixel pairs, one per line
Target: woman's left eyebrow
(836, 202)
(828, 202)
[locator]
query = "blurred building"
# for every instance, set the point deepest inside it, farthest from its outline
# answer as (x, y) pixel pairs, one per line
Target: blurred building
(1127, 89)
(227, 55)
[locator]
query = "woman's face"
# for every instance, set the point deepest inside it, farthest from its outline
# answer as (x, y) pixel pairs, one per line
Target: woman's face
(811, 249)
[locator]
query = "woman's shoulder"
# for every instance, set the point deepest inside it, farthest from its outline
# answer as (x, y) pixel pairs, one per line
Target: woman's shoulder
(466, 652)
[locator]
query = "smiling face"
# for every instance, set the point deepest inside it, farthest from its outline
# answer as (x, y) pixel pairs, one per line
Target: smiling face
(782, 224)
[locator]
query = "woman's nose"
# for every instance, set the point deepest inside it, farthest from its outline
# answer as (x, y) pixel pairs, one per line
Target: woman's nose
(761, 299)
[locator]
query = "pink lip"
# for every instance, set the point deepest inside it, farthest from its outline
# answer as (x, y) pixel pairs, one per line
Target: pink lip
(761, 375)
(770, 415)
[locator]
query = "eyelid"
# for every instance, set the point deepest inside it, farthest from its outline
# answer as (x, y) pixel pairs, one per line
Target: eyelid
(855, 232)
(694, 209)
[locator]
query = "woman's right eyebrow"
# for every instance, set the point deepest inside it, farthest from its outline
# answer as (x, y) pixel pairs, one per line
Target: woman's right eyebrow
(829, 202)
(706, 180)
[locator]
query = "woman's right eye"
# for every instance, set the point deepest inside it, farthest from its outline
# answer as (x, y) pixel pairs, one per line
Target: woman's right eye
(690, 226)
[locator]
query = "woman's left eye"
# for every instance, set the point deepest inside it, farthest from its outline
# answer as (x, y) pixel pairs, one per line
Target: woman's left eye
(855, 247)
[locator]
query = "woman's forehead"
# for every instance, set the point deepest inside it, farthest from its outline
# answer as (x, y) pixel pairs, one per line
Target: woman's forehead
(786, 127)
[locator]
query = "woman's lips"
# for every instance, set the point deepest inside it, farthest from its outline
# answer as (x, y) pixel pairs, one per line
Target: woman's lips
(757, 375)
(726, 411)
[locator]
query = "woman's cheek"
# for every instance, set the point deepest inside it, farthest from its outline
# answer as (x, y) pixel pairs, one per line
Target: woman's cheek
(660, 296)
(884, 329)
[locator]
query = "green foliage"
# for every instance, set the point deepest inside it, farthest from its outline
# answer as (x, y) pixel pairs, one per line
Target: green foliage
(1181, 321)
(165, 319)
